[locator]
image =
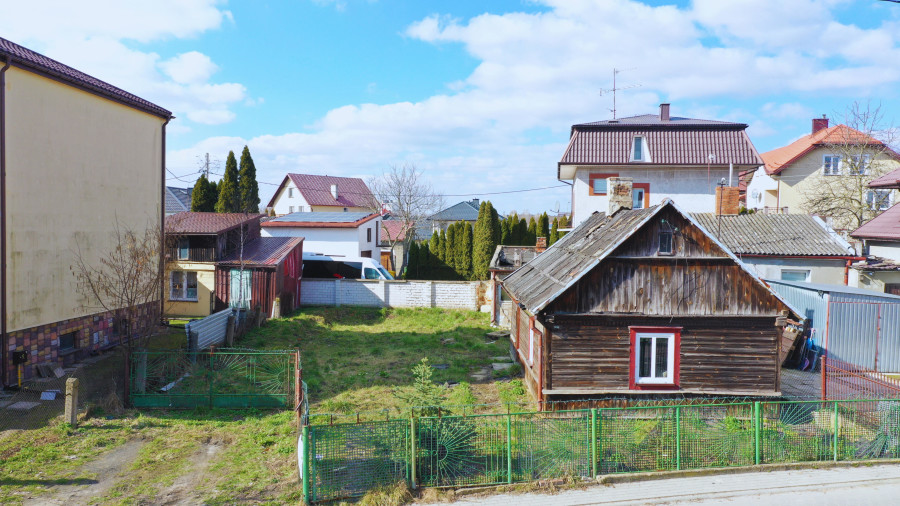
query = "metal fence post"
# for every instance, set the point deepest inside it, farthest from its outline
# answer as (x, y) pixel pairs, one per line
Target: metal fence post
(599, 441)
(757, 450)
(594, 442)
(837, 429)
(412, 451)
(678, 438)
(508, 448)
(211, 362)
(304, 462)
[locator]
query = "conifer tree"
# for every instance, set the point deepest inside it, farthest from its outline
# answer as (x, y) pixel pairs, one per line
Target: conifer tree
(531, 235)
(544, 226)
(213, 194)
(203, 196)
(465, 250)
(450, 247)
(442, 245)
(229, 194)
(504, 231)
(248, 187)
(484, 240)
(495, 224)
(554, 233)
(413, 261)
(434, 246)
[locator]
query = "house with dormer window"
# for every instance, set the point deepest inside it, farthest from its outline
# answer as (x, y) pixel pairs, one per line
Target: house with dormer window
(682, 159)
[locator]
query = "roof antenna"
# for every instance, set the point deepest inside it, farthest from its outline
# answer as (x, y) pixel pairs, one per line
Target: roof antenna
(615, 89)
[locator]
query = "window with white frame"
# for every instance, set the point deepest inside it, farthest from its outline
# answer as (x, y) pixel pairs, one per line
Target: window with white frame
(859, 165)
(637, 198)
(878, 200)
(639, 149)
(795, 274)
(183, 285)
(654, 358)
(831, 165)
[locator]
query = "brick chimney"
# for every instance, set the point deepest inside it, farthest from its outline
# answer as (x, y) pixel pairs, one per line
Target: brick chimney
(819, 124)
(334, 191)
(619, 191)
(664, 112)
(727, 200)
(541, 245)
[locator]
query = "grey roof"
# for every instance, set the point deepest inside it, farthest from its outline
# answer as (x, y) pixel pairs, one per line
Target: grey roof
(507, 258)
(653, 120)
(326, 217)
(178, 199)
(463, 211)
(774, 234)
(821, 287)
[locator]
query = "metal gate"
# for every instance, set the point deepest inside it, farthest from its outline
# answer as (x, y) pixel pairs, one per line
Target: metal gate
(865, 334)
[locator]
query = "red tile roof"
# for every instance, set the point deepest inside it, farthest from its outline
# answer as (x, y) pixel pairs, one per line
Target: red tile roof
(25, 58)
(206, 223)
(780, 158)
(681, 141)
(316, 190)
(884, 226)
(889, 180)
(264, 251)
(395, 230)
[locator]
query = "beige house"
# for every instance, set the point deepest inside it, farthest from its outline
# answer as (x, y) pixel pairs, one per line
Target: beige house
(830, 164)
(77, 155)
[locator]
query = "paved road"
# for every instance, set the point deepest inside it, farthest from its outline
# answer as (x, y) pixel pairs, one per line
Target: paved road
(860, 486)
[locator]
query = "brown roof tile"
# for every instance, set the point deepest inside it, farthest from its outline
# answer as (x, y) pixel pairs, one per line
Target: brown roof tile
(889, 180)
(206, 223)
(884, 226)
(25, 58)
(264, 251)
(316, 190)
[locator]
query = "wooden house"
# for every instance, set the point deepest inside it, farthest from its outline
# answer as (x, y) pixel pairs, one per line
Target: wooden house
(641, 302)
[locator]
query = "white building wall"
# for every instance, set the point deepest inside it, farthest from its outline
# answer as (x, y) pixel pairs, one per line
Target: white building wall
(762, 190)
(328, 241)
(691, 188)
(370, 245)
(889, 250)
(289, 197)
(830, 272)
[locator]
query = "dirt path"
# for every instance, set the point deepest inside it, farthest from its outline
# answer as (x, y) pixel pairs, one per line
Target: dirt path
(187, 487)
(107, 468)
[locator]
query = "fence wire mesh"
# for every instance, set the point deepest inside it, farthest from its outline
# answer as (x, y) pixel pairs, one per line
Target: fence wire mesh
(345, 460)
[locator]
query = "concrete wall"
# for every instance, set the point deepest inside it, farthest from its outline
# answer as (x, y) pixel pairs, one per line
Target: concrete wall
(885, 249)
(686, 186)
(355, 292)
(830, 272)
(206, 286)
(76, 164)
(332, 241)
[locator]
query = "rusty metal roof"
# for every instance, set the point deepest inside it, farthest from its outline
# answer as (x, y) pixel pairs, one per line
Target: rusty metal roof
(667, 144)
(263, 251)
(206, 223)
(884, 226)
(774, 234)
(25, 58)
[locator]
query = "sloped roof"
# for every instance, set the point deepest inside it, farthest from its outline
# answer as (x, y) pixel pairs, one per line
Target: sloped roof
(466, 210)
(773, 234)
(679, 141)
(822, 287)
(316, 190)
(542, 280)
(884, 226)
(264, 251)
(320, 220)
(178, 199)
(394, 230)
(506, 257)
(195, 223)
(778, 159)
(25, 58)
(889, 180)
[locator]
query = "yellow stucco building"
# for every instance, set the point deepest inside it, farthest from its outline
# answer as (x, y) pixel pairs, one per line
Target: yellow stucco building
(78, 155)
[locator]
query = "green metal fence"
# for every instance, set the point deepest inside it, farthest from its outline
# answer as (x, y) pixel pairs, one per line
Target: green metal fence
(346, 460)
(222, 378)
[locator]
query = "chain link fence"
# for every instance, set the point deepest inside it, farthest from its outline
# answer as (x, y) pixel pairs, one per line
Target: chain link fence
(345, 460)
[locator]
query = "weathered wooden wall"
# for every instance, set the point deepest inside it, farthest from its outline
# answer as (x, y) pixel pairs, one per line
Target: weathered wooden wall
(719, 355)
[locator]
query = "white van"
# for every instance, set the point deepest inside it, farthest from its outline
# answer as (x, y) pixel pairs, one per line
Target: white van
(317, 265)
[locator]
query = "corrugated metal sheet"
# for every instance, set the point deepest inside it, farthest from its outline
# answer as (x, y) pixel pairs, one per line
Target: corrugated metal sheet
(889, 343)
(207, 332)
(670, 146)
(773, 234)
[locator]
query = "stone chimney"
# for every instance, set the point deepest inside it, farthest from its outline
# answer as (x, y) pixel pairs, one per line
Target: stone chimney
(819, 124)
(334, 191)
(619, 191)
(727, 200)
(541, 245)
(664, 112)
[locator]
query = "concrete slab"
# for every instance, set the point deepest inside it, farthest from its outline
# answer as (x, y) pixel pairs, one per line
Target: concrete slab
(501, 366)
(24, 405)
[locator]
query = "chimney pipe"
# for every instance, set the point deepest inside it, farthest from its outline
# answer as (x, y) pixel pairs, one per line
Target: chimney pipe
(619, 191)
(540, 245)
(664, 112)
(819, 124)
(334, 191)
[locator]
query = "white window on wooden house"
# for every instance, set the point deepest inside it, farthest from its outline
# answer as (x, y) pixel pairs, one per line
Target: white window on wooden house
(183, 286)
(655, 357)
(831, 165)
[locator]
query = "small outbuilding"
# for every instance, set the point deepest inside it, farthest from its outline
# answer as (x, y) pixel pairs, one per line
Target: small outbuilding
(642, 302)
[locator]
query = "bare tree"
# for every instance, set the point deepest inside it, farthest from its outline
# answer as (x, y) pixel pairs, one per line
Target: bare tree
(410, 198)
(860, 152)
(127, 282)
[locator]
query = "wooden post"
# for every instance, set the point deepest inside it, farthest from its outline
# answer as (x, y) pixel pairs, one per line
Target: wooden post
(229, 332)
(71, 414)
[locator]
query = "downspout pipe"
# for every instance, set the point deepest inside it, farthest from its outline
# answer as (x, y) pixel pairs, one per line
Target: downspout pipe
(4, 337)
(162, 224)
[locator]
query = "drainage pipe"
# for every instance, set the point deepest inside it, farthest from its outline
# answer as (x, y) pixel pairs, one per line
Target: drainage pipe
(4, 338)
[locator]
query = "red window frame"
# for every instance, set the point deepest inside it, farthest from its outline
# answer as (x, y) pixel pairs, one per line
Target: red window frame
(592, 177)
(632, 372)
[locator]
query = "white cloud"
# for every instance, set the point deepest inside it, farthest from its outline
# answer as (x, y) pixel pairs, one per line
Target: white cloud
(98, 37)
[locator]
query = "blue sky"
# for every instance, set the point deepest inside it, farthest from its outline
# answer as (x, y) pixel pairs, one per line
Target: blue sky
(480, 96)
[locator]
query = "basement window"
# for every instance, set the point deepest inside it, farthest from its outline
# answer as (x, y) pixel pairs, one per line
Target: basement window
(665, 243)
(67, 342)
(655, 357)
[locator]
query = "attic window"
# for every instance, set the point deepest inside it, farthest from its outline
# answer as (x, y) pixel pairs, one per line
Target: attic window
(639, 149)
(665, 243)
(290, 193)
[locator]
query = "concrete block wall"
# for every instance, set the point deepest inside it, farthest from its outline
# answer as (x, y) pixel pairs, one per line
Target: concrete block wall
(373, 293)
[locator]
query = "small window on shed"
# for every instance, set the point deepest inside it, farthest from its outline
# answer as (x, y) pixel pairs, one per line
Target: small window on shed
(67, 341)
(665, 243)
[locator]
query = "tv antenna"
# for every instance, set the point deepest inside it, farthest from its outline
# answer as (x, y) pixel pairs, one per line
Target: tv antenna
(615, 89)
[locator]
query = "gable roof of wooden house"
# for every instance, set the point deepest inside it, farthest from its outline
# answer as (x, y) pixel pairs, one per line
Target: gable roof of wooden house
(544, 279)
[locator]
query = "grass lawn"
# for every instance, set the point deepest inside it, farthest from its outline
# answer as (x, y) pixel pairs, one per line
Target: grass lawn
(354, 357)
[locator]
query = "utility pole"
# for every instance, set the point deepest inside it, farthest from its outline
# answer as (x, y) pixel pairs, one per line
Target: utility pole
(206, 166)
(615, 89)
